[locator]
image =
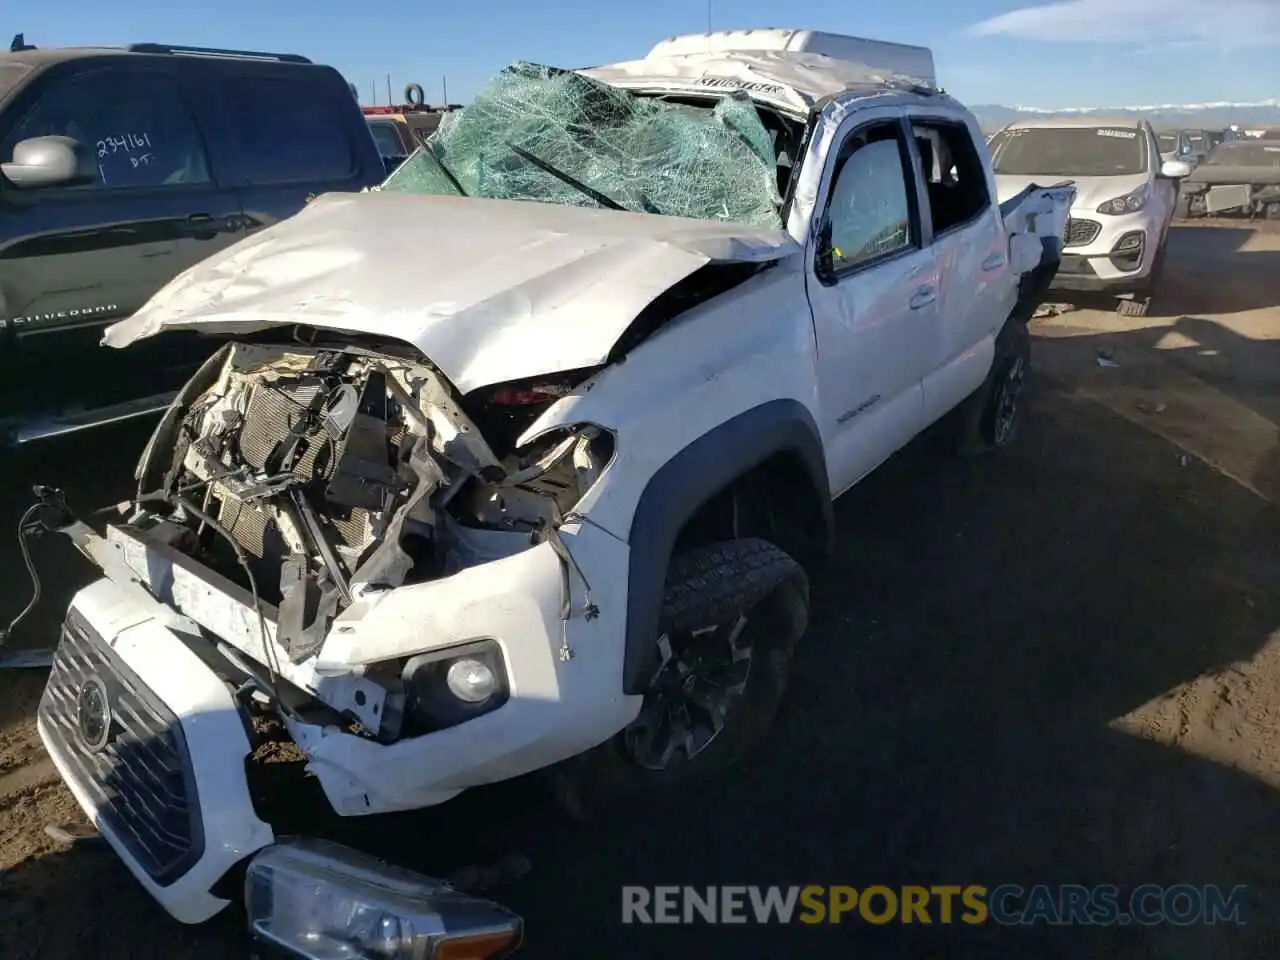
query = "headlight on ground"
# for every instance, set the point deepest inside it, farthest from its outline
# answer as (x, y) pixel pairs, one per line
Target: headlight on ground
(319, 901)
(446, 687)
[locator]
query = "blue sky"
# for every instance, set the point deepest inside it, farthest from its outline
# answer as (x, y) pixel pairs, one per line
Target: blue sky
(1102, 52)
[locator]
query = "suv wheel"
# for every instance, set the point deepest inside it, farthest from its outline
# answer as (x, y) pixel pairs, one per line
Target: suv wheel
(731, 615)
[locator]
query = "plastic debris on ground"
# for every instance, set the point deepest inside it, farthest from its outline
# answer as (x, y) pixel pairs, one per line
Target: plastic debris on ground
(713, 162)
(73, 835)
(1046, 310)
(1106, 358)
(476, 878)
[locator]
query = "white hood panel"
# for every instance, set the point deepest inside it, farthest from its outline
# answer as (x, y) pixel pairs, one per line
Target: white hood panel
(488, 290)
(1091, 192)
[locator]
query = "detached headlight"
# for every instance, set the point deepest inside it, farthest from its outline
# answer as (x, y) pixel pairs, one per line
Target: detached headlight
(445, 687)
(1130, 203)
(320, 901)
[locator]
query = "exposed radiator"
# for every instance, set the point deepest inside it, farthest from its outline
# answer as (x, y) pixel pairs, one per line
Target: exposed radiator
(272, 412)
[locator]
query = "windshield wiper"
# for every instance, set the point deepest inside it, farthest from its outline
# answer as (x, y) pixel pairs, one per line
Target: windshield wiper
(445, 170)
(563, 177)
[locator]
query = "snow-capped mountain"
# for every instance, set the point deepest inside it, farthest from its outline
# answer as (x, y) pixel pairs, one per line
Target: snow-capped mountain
(1263, 113)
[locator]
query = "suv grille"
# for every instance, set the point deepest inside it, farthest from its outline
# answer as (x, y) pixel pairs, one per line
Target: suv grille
(1081, 232)
(141, 778)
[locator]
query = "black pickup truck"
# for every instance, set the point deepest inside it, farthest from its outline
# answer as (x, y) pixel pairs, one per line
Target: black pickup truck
(120, 168)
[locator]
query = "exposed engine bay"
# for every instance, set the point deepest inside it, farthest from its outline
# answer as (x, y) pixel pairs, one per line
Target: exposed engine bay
(314, 476)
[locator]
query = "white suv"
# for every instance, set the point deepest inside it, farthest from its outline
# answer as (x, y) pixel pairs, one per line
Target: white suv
(1125, 198)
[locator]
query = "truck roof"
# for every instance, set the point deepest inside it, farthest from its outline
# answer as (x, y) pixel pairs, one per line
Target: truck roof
(47, 56)
(787, 69)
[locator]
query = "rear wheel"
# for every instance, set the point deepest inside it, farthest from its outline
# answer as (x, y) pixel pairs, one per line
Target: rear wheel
(988, 419)
(731, 616)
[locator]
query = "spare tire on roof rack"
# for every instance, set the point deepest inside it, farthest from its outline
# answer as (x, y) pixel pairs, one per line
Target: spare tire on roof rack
(415, 96)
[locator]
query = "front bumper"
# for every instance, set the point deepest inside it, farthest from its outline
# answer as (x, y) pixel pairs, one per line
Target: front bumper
(163, 776)
(563, 675)
(165, 781)
(1108, 253)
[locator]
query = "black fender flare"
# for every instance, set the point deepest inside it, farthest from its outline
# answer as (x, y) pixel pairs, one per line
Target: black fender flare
(682, 486)
(1033, 286)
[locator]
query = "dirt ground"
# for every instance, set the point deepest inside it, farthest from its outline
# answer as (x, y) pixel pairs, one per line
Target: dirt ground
(1061, 664)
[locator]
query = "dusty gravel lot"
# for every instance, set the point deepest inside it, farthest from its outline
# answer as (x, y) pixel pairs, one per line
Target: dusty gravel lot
(1058, 665)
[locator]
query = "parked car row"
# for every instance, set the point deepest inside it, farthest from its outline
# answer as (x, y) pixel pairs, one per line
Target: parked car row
(1192, 146)
(1238, 178)
(399, 130)
(119, 169)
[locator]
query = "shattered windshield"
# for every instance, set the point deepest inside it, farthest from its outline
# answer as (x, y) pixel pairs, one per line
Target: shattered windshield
(1069, 152)
(1238, 154)
(538, 133)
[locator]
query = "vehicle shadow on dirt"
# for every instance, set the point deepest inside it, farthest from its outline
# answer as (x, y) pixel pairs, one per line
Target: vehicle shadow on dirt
(1244, 370)
(952, 718)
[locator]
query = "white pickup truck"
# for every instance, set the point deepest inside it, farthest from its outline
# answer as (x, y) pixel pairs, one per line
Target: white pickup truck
(520, 461)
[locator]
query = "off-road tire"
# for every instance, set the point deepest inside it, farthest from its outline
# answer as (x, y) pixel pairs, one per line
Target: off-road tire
(969, 429)
(705, 585)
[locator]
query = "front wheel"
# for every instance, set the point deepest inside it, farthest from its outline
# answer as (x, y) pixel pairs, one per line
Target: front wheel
(731, 615)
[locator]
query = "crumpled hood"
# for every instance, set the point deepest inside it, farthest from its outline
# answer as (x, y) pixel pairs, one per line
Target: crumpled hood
(1091, 192)
(488, 290)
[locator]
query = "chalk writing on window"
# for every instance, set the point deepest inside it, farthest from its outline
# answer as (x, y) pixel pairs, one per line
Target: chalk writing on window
(127, 143)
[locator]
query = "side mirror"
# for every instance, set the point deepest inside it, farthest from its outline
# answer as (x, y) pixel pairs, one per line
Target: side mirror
(49, 162)
(1175, 169)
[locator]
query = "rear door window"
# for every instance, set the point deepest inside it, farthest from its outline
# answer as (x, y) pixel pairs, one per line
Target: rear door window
(288, 130)
(135, 124)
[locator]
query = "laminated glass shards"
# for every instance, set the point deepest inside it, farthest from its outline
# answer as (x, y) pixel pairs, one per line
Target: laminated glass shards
(538, 133)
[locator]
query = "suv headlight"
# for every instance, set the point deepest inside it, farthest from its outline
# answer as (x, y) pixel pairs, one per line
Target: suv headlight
(1131, 202)
(446, 687)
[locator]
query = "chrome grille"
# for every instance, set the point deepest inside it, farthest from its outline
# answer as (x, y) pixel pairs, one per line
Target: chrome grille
(1081, 232)
(141, 780)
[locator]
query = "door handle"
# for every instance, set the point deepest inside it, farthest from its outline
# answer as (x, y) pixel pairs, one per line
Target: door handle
(207, 225)
(993, 262)
(923, 297)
